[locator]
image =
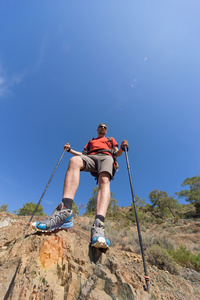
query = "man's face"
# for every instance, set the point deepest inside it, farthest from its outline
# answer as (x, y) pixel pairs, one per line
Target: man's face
(102, 129)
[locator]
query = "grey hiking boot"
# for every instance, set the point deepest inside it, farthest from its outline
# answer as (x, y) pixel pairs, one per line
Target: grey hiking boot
(62, 218)
(98, 238)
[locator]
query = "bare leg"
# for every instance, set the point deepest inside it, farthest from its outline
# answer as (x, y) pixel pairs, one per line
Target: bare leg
(103, 197)
(63, 218)
(98, 238)
(72, 177)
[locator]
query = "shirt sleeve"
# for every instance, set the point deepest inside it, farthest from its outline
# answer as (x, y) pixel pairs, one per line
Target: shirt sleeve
(114, 143)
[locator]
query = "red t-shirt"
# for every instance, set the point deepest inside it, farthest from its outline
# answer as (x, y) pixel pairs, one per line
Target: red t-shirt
(101, 143)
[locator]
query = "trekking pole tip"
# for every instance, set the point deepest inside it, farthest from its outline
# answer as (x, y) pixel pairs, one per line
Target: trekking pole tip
(147, 283)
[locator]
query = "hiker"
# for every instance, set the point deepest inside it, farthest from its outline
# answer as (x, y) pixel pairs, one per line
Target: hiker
(98, 158)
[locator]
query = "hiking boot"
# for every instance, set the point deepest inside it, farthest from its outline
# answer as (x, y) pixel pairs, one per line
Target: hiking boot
(98, 238)
(62, 218)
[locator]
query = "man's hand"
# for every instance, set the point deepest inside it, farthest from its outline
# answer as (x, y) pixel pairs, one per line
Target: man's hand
(118, 152)
(124, 145)
(67, 147)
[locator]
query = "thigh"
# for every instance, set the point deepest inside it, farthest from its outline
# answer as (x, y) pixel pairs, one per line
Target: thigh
(105, 164)
(76, 161)
(90, 164)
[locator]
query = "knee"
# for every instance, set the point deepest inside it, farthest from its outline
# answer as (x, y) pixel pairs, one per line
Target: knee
(104, 178)
(75, 162)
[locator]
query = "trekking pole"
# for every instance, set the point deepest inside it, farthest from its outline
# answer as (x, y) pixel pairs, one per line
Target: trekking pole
(28, 224)
(138, 226)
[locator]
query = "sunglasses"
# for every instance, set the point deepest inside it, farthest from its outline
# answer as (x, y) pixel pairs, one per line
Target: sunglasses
(102, 126)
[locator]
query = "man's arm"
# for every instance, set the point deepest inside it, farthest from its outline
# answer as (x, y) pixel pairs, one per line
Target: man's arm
(68, 148)
(118, 152)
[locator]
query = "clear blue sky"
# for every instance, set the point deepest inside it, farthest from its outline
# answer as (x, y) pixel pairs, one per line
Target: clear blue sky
(66, 66)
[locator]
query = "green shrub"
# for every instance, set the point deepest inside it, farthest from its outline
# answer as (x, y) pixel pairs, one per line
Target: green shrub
(161, 258)
(112, 234)
(163, 242)
(185, 258)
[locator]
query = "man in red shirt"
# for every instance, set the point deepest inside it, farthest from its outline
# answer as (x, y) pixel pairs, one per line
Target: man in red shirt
(97, 158)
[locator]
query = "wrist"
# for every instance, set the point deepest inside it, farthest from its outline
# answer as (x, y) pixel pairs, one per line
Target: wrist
(69, 149)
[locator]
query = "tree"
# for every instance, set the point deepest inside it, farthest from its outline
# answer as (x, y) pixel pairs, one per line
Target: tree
(3, 208)
(165, 203)
(139, 202)
(91, 205)
(75, 209)
(193, 194)
(29, 208)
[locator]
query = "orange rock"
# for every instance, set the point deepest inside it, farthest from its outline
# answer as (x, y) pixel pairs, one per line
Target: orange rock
(52, 251)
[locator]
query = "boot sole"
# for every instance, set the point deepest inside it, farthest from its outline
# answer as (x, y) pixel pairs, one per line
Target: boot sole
(100, 243)
(63, 226)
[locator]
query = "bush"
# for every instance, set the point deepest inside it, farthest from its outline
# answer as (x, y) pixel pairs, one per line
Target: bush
(185, 258)
(29, 208)
(148, 240)
(163, 242)
(112, 234)
(3, 208)
(161, 258)
(75, 209)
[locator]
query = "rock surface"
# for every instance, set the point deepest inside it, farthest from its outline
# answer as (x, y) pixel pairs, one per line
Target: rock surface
(61, 265)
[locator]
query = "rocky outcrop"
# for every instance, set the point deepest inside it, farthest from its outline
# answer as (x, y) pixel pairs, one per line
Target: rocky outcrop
(61, 265)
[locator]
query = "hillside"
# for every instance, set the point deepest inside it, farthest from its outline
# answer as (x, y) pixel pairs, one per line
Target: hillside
(61, 265)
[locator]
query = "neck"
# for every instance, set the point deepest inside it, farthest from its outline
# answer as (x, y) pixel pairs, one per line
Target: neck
(101, 135)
